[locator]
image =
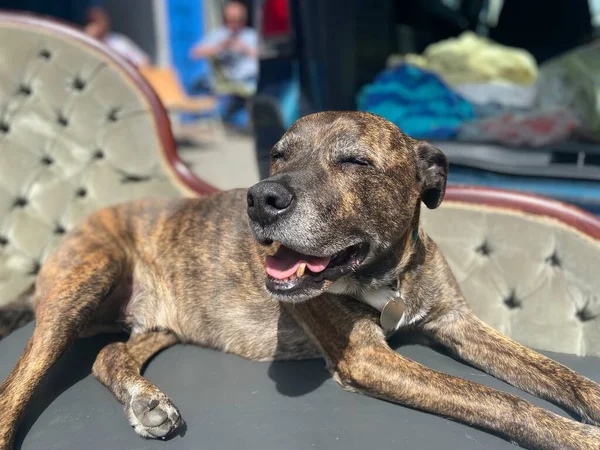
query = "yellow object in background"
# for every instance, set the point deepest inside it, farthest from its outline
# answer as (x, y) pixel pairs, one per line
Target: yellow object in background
(470, 58)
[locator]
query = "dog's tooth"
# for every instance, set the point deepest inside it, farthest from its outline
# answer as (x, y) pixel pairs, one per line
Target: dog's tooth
(301, 269)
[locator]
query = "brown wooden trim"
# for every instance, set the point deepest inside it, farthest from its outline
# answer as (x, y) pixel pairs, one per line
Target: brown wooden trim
(528, 203)
(161, 117)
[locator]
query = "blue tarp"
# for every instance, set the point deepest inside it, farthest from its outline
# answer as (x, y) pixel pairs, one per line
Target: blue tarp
(417, 101)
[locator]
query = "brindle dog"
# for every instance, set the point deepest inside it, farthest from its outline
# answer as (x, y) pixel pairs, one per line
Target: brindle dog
(288, 270)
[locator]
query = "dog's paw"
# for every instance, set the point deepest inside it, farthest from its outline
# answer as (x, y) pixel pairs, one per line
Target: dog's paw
(153, 416)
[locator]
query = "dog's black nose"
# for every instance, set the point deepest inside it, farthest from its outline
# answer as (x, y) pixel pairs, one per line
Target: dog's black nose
(268, 200)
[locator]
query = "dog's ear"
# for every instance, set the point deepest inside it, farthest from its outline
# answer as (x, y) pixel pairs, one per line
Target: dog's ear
(433, 173)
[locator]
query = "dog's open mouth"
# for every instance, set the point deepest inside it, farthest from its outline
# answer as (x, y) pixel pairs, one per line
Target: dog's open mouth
(289, 271)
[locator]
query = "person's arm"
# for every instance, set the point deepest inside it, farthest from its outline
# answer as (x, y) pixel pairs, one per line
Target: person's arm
(209, 47)
(206, 51)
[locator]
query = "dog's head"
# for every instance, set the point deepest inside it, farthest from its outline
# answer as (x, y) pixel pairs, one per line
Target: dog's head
(344, 188)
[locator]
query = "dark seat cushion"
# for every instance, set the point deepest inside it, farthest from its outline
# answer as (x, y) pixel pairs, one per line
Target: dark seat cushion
(229, 402)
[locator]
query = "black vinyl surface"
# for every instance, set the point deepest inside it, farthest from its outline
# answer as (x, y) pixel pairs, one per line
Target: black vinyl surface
(231, 403)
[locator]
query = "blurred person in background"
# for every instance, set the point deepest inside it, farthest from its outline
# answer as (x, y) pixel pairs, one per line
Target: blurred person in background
(98, 25)
(232, 48)
(90, 15)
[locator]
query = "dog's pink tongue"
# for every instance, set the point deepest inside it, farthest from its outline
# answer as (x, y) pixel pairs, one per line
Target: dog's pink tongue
(285, 263)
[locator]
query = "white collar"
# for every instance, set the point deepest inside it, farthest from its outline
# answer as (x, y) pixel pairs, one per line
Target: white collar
(388, 301)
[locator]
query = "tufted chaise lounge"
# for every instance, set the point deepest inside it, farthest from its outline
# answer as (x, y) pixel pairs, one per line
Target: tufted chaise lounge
(79, 129)
(527, 265)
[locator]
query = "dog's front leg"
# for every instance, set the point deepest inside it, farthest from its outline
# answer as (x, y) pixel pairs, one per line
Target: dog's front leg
(360, 359)
(118, 366)
(484, 347)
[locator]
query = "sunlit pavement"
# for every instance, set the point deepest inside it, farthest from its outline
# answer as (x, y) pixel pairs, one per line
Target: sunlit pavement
(224, 159)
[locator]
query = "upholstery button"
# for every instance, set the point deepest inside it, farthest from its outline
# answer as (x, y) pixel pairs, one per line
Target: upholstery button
(46, 160)
(553, 260)
(78, 84)
(484, 249)
(62, 120)
(134, 179)
(4, 127)
(3, 241)
(586, 315)
(59, 229)
(45, 54)
(35, 269)
(25, 90)
(512, 302)
(99, 154)
(81, 192)
(20, 202)
(113, 114)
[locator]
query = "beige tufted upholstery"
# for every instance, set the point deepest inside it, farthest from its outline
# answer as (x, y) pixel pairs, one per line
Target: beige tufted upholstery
(533, 277)
(79, 130)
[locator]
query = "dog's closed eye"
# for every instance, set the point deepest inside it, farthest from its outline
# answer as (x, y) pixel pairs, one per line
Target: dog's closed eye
(354, 161)
(277, 155)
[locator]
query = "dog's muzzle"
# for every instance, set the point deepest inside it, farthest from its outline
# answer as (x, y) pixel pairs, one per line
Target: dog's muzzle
(294, 270)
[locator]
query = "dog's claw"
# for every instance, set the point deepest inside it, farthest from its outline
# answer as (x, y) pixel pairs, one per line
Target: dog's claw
(153, 417)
